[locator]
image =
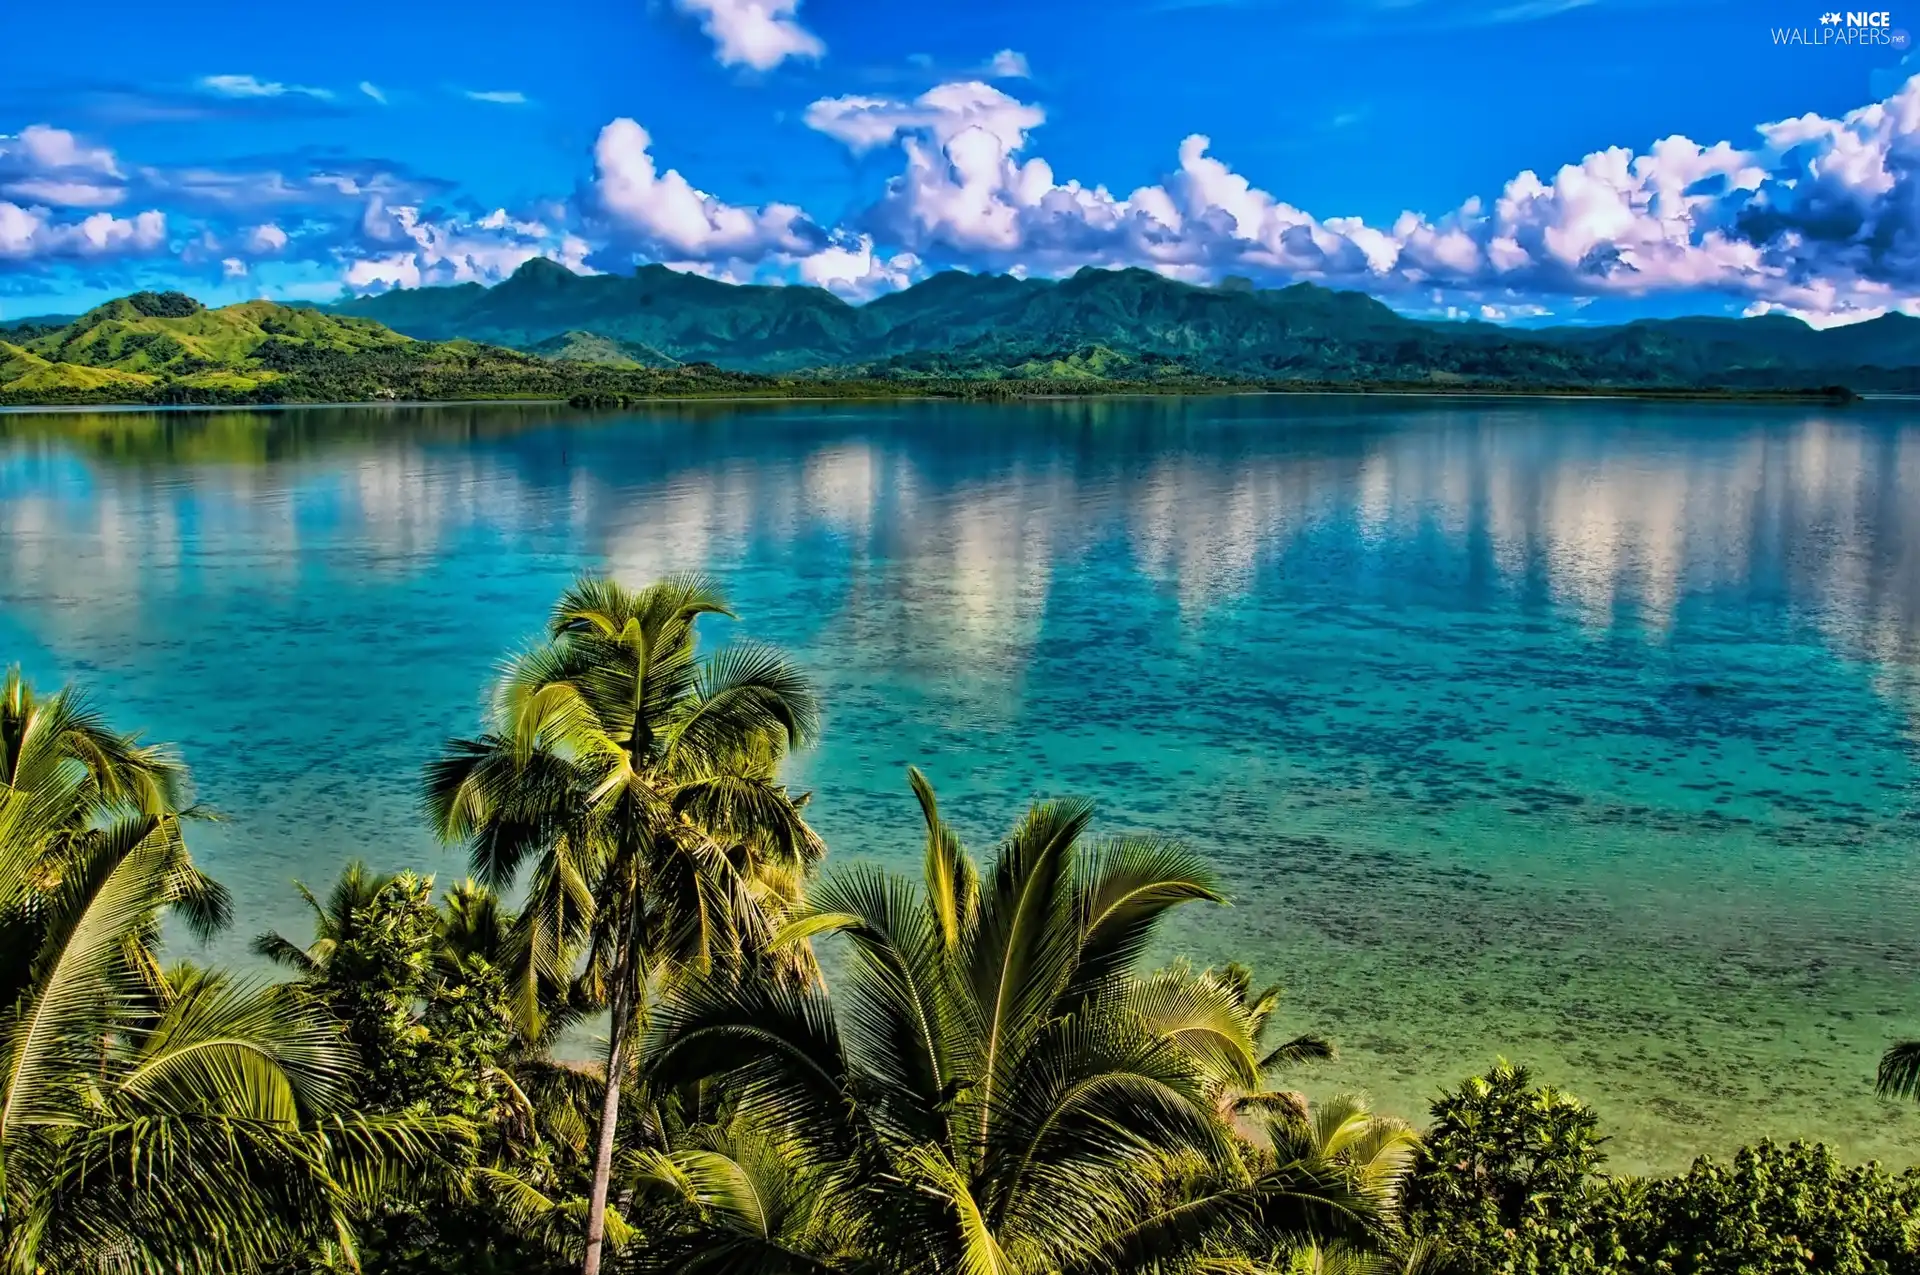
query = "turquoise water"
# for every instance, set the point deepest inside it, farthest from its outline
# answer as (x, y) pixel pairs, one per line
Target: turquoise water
(1580, 733)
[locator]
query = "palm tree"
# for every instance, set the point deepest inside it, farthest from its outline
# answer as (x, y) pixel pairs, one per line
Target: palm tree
(640, 780)
(1899, 1075)
(994, 1091)
(333, 921)
(149, 1119)
(1245, 1106)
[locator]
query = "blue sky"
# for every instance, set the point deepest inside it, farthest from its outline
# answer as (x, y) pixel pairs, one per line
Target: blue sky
(1381, 145)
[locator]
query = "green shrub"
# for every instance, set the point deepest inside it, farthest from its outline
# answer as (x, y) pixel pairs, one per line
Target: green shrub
(1782, 1210)
(1509, 1182)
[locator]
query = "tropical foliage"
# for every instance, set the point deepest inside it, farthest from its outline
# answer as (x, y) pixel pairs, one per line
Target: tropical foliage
(153, 1118)
(974, 1069)
(637, 783)
(1509, 1180)
(996, 1087)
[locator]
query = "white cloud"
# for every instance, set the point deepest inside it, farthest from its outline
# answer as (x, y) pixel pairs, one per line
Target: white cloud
(1813, 215)
(1502, 313)
(373, 91)
(1534, 10)
(56, 148)
(1818, 217)
(402, 248)
(249, 86)
(65, 194)
(323, 190)
(233, 268)
(855, 271)
(666, 216)
(499, 97)
(46, 165)
(760, 34)
(31, 234)
(942, 113)
(1008, 65)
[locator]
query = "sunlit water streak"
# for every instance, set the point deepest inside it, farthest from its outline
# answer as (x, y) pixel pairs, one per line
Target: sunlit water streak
(1579, 733)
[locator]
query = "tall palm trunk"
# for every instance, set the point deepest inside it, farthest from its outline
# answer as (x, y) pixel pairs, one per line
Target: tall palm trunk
(622, 674)
(619, 1029)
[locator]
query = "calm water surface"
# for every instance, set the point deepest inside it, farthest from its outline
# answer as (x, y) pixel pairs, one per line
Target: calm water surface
(1578, 733)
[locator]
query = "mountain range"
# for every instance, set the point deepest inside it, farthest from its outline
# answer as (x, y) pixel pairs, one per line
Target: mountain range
(958, 324)
(548, 333)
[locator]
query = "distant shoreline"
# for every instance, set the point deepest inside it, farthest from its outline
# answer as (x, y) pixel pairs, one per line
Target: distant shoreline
(1830, 397)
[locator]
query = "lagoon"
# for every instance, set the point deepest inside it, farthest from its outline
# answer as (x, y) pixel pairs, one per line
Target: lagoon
(1582, 733)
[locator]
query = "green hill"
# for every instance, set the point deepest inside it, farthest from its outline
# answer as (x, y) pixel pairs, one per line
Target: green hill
(591, 347)
(998, 326)
(168, 348)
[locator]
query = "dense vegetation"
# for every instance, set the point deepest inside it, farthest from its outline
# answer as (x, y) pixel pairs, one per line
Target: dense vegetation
(605, 340)
(1129, 326)
(992, 1082)
(164, 348)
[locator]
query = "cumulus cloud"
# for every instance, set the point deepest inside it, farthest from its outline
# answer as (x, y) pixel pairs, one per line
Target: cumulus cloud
(664, 216)
(940, 115)
(854, 270)
(50, 166)
(760, 34)
(31, 234)
(404, 247)
(249, 86)
(1820, 216)
(1813, 216)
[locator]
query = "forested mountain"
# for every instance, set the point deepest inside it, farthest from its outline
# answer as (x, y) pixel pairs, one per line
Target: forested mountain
(975, 325)
(656, 333)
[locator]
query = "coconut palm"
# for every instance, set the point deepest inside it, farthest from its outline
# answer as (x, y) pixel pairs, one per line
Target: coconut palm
(993, 1090)
(635, 783)
(148, 1119)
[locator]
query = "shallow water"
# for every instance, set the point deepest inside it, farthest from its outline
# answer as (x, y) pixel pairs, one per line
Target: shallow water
(1581, 733)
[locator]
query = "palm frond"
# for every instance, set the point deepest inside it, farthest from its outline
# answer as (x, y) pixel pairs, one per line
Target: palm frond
(952, 881)
(1899, 1075)
(1123, 890)
(83, 971)
(245, 1051)
(1021, 952)
(1301, 1049)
